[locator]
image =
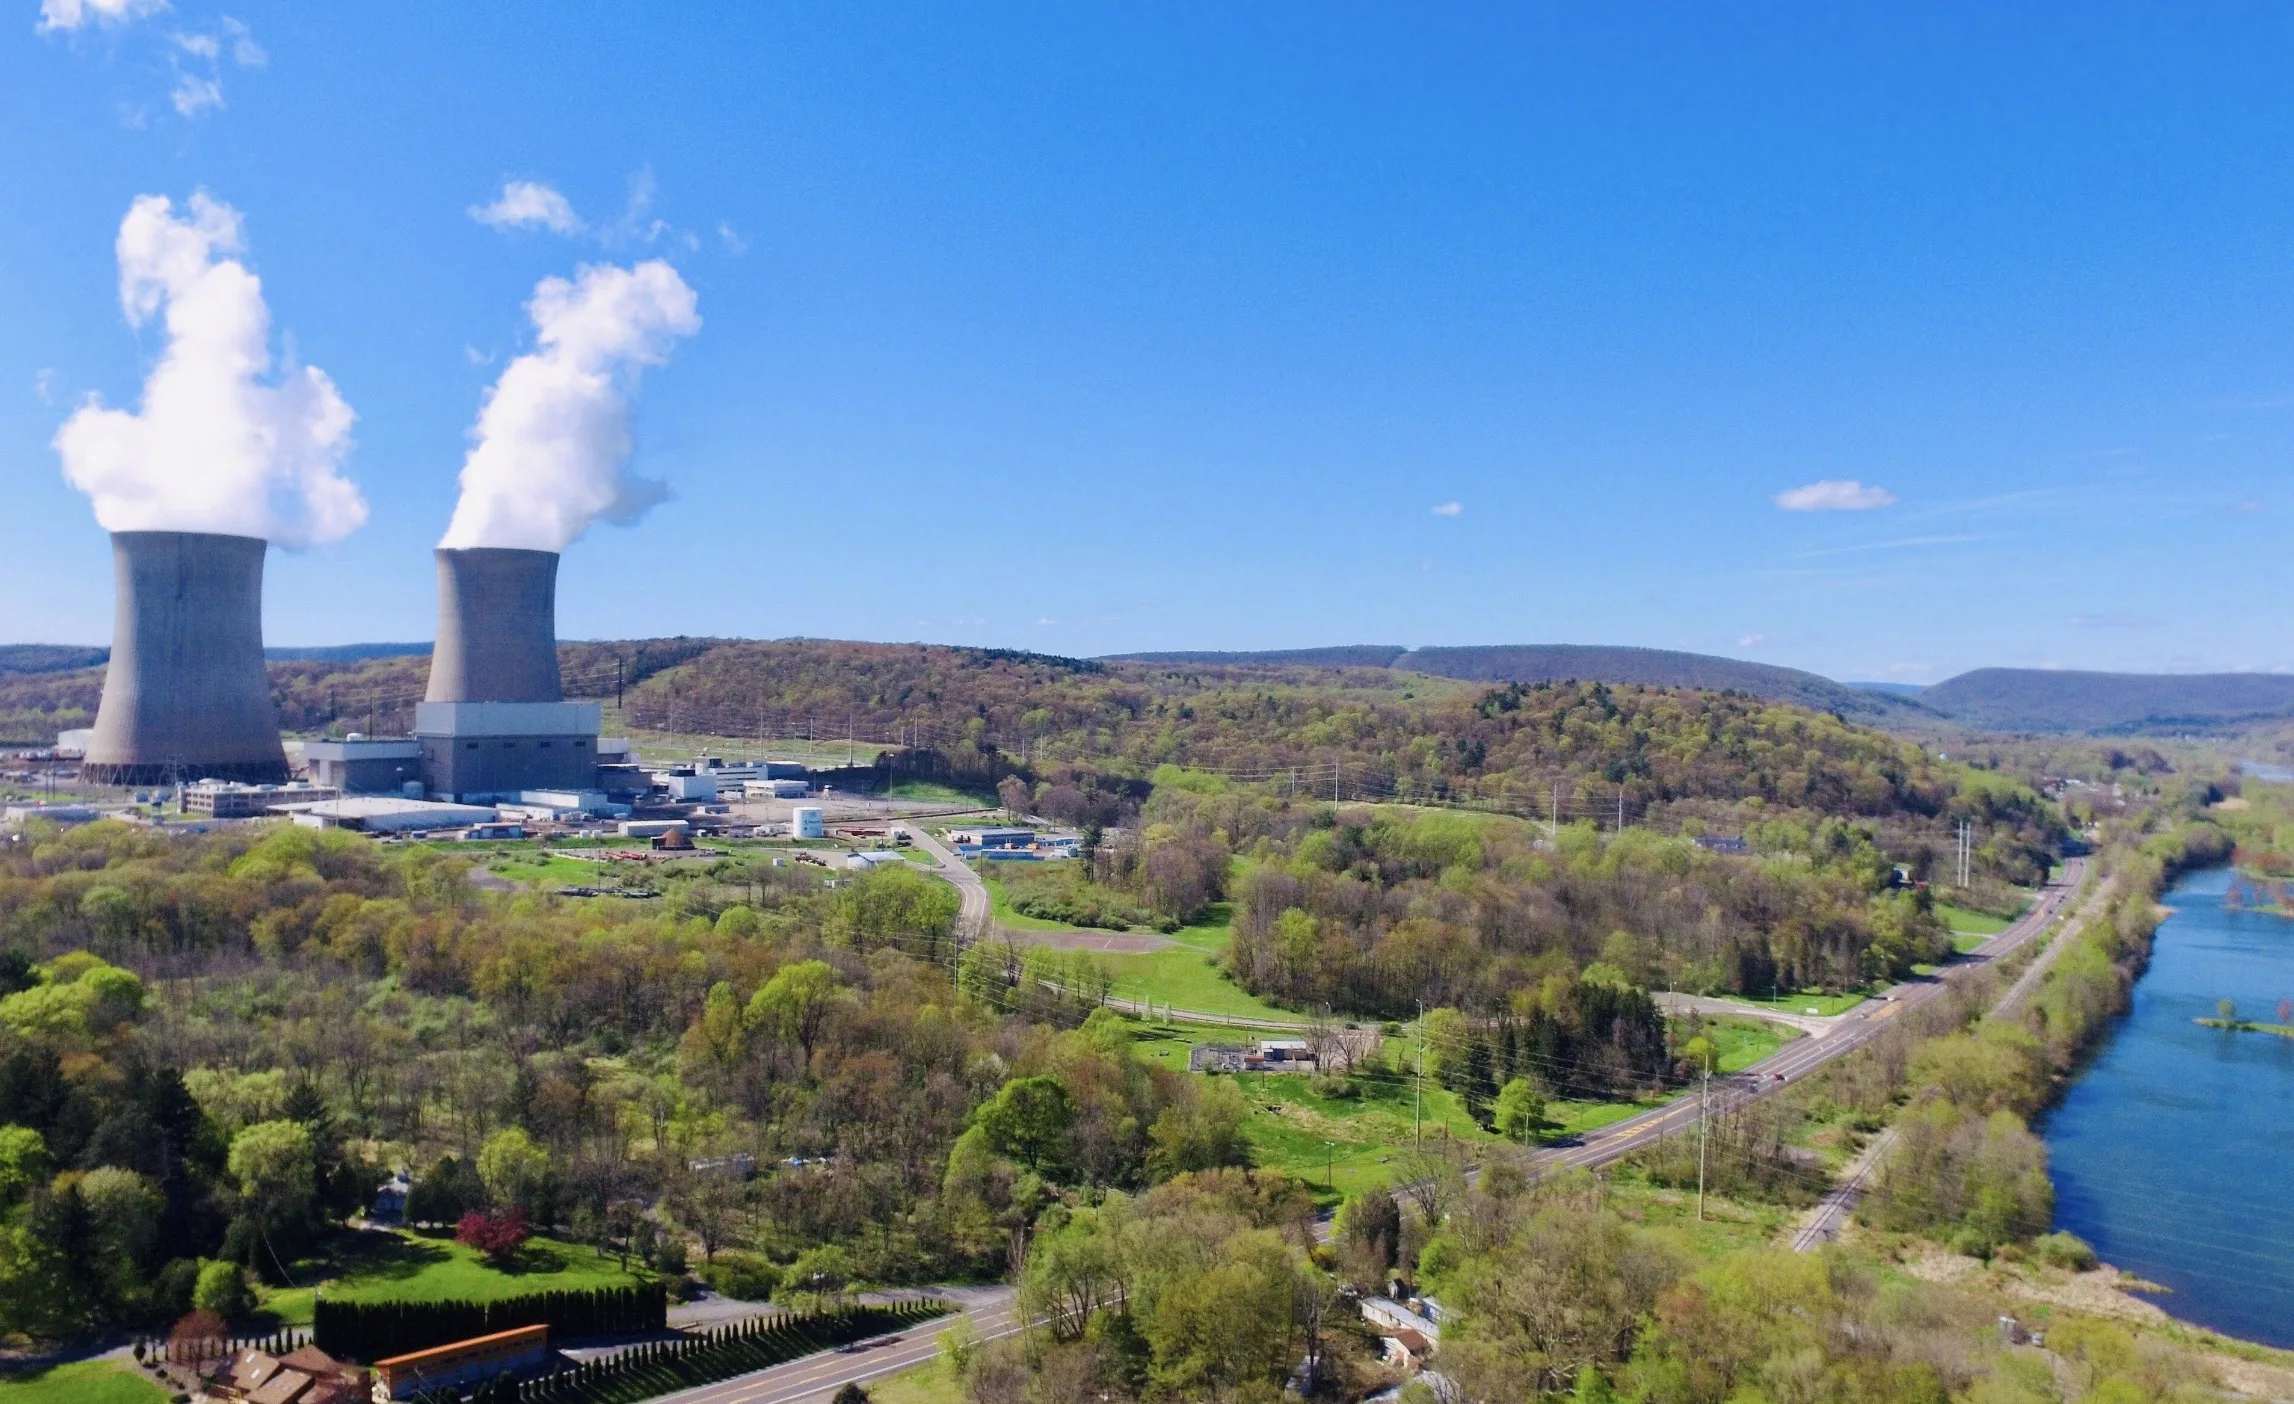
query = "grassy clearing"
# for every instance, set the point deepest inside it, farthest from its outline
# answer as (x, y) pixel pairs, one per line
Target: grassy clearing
(1806, 1002)
(1966, 942)
(932, 792)
(926, 1384)
(1743, 1042)
(86, 1382)
(412, 1267)
(1185, 978)
(1001, 906)
(1968, 921)
(1213, 934)
(1368, 1135)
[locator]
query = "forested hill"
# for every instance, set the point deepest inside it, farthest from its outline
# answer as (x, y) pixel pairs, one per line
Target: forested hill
(2035, 699)
(1535, 663)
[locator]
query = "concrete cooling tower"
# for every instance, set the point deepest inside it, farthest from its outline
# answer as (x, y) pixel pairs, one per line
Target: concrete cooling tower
(497, 626)
(495, 723)
(186, 697)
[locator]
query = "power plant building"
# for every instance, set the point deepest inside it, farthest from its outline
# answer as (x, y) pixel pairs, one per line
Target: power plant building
(185, 695)
(494, 722)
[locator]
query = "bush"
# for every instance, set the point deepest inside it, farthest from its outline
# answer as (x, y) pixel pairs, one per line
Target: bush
(745, 1277)
(2067, 1251)
(222, 1289)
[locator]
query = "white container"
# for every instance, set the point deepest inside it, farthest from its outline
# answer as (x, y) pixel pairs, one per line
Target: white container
(807, 822)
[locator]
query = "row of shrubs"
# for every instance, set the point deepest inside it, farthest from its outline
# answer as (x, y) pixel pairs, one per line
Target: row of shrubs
(664, 1367)
(378, 1330)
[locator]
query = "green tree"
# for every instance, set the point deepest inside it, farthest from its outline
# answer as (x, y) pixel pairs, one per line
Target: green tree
(276, 1169)
(1028, 1121)
(24, 1163)
(514, 1170)
(222, 1289)
(1520, 1110)
(793, 1004)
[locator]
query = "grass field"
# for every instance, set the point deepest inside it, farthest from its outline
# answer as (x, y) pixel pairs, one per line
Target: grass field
(410, 1267)
(1806, 1002)
(1185, 978)
(926, 1384)
(1743, 1042)
(1971, 922)
(1964, 942)
(1368, 1135)
(86, 1382)
(932, 792)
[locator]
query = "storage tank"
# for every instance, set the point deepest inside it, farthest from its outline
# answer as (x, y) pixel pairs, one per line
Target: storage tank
(497, 626)
(805, 822)
(185, 696)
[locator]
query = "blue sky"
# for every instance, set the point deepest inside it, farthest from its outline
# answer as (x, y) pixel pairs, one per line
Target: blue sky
(1094, 329)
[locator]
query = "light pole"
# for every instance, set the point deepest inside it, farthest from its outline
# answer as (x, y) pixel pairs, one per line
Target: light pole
(1330, 1166)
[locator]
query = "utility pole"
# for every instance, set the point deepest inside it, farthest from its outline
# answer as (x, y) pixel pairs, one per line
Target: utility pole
(1418, 1099)
(1335, 766)
(1704, 1122)
(1620, 810)
(1556, 825)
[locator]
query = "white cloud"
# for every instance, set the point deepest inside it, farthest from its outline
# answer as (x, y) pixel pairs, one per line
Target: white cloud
(44, 385)
(733, 242)
(553, 442)
(1751, 640)
(193, 94)
(69, 15)
(219, 443)
(1835, 495)
(1449, 509)
(528, 204)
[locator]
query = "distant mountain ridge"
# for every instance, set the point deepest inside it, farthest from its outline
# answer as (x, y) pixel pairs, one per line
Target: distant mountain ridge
(1533, 663)
(2062, 700)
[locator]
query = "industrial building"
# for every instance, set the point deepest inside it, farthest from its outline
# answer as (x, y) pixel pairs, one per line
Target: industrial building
(227, 799)
(384, 814)
(364, 765)
(185, 695)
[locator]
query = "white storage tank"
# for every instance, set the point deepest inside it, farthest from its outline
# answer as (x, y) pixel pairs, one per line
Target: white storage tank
(805, 822)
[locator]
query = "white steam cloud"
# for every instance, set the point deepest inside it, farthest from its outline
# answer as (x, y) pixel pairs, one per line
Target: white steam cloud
(553, 441)
(219, 444)
(1835, 495)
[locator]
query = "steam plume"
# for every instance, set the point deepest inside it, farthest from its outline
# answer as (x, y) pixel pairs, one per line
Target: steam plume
(553, 441)
(215, 446)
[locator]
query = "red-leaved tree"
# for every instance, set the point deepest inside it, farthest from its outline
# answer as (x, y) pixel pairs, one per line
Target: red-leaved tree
(498, 1236)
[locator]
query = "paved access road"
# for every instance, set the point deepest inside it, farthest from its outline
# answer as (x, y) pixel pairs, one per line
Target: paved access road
(990, 1310)
(972, 917)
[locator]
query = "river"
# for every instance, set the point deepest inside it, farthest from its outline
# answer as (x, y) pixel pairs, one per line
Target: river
(2174, 1152)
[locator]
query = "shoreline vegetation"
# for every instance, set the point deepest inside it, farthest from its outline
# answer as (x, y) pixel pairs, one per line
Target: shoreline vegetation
(2247, 1026)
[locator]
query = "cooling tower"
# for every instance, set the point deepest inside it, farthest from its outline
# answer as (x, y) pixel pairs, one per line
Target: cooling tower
(497, 626)
(185, 697)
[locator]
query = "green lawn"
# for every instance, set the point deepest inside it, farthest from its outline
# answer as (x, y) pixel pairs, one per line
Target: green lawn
(1971, 922)
(1184, 978)
(1213, 934)
(1964, 942)
(87, 1382)
(932, 792)
(1806, 1002)
(1371, 1134)
(1743, 1042)
(926, 1384)
(411, 1267)
(1362, 1140)
(554, 871)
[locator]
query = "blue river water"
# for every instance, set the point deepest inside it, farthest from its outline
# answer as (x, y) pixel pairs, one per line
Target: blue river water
(2173, 1153)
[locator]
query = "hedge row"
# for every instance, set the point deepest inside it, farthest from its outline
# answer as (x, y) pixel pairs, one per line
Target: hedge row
(664, 1367)
(373, 1331)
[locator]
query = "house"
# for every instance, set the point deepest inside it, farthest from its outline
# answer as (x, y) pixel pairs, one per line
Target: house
(1405, 1350)
(458, 1365)
(306, 1375)
(1723, 843)
(1388, 1317)
(390, 1200)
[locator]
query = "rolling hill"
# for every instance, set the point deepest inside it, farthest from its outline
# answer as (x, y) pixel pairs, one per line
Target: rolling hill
(2036, 699)
(1535, 663)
